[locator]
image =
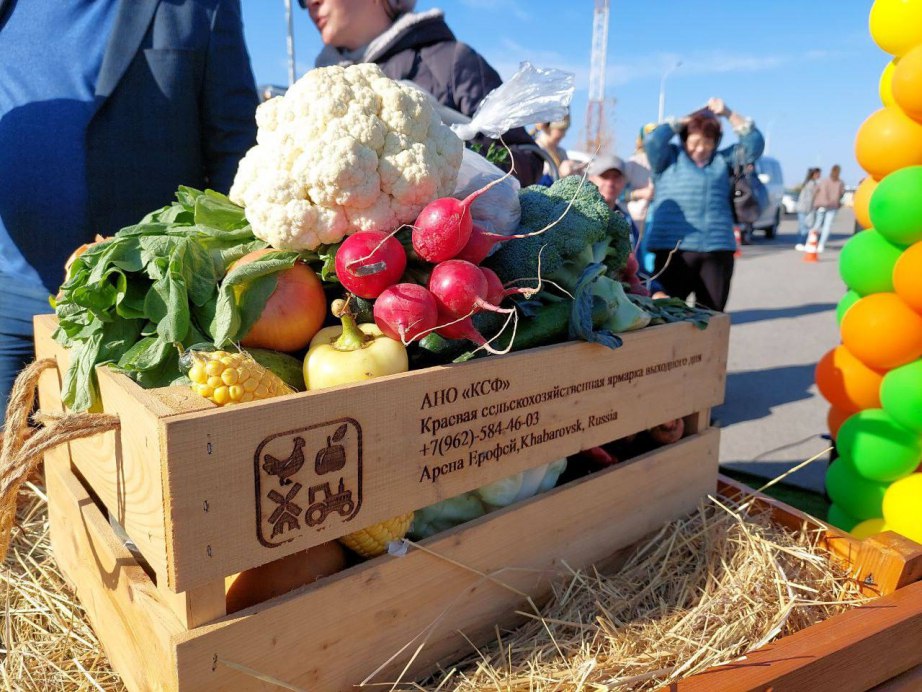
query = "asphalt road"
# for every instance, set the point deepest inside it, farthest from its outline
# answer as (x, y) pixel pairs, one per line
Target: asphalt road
(783, 317)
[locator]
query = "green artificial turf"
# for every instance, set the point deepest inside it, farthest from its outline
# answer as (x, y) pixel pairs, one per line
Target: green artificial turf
(807, 501)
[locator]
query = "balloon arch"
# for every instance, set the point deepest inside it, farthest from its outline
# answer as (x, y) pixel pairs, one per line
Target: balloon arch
(873, 380)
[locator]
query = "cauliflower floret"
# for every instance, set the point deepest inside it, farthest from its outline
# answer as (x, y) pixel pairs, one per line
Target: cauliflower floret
(346, 149)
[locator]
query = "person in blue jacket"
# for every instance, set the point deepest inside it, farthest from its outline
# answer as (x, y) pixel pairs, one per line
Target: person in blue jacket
(692, 234)
(106, 107)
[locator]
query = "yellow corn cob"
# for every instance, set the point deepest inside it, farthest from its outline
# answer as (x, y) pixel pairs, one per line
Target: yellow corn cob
(232, 378)
(373, 541)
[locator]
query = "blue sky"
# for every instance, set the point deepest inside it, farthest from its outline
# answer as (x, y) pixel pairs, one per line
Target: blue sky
(805, 70)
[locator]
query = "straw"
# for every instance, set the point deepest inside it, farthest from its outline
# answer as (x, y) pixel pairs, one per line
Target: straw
(701, 592)
(48, 643)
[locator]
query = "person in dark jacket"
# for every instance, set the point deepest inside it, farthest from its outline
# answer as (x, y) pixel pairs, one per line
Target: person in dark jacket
(421, 48)
(692, 234)
(106, 107)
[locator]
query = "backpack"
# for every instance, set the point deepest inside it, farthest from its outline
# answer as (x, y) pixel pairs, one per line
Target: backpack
(748, 196)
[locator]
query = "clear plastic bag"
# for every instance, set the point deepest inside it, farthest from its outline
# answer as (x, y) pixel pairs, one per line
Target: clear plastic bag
(532, 95)
(497, 210)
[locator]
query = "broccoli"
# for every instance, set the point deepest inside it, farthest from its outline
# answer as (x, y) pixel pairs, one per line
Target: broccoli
(584, 252)
(589, 232)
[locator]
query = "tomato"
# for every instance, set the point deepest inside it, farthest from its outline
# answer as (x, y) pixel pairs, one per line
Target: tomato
(294, 312)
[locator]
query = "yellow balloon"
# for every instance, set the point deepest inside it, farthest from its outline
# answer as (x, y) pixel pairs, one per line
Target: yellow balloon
(903, 507)
(869, 527)
(885, 87)
(896, 25)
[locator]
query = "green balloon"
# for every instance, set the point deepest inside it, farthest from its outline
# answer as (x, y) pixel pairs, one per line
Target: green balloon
(841, 519)
(854, 494)
(879, 448)
(866, 263)
(896, 206)
(901, 395)
(849, 299)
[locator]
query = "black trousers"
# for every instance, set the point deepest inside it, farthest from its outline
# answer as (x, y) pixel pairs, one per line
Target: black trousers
(706, 274)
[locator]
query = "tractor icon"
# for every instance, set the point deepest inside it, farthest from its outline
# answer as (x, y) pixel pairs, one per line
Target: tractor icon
(318, 510)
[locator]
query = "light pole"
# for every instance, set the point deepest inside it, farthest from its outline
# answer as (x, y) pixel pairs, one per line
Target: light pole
(290, 43)
(662, 91)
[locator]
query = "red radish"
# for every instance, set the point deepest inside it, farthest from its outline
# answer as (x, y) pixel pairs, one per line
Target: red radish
(460, 329)
(406, 312)
(368, 262)
(495, 289)
(478, 246)
(598, 456)
(667, 433)
(443, 228)
(636, 287)
(460, 288)
(631, 267)
(463, 328)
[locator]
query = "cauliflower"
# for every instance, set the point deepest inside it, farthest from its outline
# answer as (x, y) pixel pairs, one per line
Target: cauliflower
(345, 150)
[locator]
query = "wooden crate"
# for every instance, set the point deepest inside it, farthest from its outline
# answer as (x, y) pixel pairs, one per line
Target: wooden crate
(875, 644)
(323, 636)
(189, 485)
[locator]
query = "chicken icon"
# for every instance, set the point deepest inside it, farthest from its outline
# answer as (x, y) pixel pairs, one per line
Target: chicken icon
(289, 466)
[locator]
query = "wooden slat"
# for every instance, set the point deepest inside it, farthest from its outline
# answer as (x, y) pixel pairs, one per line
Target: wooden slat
(697, 422)
(181, 399)
(219, 525)
(350, 623)
(205, 604)
(910, 681)
(121, 602)
(854, 650)
(881, 564)
(123, 467)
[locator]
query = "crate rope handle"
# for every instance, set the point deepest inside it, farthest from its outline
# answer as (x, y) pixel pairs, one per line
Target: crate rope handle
(22, 452)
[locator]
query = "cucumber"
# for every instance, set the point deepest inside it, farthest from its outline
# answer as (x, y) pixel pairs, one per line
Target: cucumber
(287, 367)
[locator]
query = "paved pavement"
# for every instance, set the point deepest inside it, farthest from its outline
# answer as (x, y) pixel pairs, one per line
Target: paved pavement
(783, 317)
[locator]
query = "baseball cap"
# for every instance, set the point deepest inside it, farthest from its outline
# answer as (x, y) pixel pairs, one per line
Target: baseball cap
(606, 162)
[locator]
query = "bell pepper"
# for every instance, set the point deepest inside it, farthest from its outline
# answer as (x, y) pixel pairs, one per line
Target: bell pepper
(351, 353)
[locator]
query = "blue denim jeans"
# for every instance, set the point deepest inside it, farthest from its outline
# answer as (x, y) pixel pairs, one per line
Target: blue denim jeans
(18, 304)
(823, 224)
(804, 223)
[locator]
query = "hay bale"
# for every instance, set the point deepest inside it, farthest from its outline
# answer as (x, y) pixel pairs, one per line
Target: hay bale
(48, 644)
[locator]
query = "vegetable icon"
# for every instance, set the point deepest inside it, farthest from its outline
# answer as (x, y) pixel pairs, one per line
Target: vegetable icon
(333, 456)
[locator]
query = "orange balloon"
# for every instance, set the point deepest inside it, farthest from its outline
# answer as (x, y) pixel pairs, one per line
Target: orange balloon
(907, 276)
(834, 420)
(847, 383)
(887, 141)
(862, 199)
(906, 83)
(882, 331)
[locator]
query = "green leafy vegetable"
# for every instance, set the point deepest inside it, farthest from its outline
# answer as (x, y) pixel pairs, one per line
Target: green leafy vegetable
(666, 310)
(130, 299)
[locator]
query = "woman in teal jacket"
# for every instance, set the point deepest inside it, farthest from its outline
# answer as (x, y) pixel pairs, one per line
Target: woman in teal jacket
(692, 235)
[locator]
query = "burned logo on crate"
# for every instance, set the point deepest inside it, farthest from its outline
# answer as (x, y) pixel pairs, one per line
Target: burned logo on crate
(307, 479)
